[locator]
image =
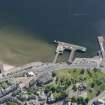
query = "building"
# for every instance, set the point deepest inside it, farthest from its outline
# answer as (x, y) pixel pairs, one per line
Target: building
(44, 79)
(101, 99)
(30, 74)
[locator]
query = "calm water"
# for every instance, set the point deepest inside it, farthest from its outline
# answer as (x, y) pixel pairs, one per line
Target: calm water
(76, 21)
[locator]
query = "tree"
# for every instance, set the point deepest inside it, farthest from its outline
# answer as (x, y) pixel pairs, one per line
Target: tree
(74, 70)
(74, 88)
(68, 82)
(73, 99)
(87, 100)
(92, 85)
(90, 90)
(98, 92)
(98, 82)
(53, 74)
(82, 71)
(89, 73)
(95, 69)
(80, 100)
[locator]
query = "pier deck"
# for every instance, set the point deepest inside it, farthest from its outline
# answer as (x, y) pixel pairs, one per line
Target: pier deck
(101, 45)
(70, 46)
(66, 46)
(101, 42)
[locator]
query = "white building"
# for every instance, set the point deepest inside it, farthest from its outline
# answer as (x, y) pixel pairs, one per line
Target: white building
(101, 98)
(30, 74)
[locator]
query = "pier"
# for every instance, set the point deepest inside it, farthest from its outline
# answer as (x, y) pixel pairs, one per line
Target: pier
(67, 46)
(101, 42)
(101, 45)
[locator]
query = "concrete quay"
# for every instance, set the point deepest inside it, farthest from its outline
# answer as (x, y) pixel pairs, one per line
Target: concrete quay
(40, 68)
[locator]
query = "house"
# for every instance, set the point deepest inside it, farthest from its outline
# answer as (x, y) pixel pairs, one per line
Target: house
(100, 100)
(29, 74)
(45, 78)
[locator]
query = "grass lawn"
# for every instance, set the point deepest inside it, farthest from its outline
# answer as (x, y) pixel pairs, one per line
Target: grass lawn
(94, 79)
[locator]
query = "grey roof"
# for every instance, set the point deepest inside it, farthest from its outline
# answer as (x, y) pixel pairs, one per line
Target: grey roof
(45, 77)
(58, 103)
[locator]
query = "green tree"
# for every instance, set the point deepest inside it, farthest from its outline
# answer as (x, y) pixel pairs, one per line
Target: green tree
(82, 71)
(73, 99)
(74, 88)
(92, 85)
(98, 92)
